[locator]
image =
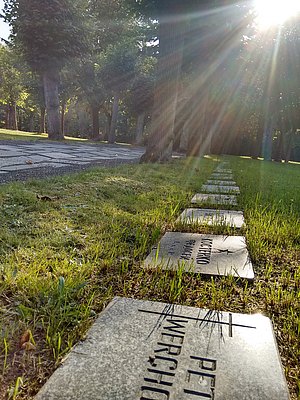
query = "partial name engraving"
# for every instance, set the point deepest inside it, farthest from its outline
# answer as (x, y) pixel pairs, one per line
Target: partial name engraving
(204, 251)
(163, 364)
(203, 255)
(161, 373)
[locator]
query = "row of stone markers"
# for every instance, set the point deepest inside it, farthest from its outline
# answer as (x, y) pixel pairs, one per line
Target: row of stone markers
(207, 254)
(155, 351)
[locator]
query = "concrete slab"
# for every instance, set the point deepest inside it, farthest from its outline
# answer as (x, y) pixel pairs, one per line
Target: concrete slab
(222, 177)
(214, 199)
(220, 189)
(234, 219)
(223, 170)
(158, 351)
(222, 183)
(216, 255)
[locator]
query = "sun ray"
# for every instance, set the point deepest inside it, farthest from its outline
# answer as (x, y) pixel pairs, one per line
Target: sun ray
(271, 13)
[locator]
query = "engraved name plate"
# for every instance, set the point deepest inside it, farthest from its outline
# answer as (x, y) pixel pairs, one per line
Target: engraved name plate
(205, 254)
(220, 189)
(222, 176)
(222, 183)
(234, 219)
(143, 350)
(210, 198)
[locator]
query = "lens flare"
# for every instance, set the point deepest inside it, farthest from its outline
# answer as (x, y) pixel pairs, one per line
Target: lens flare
(275, 12)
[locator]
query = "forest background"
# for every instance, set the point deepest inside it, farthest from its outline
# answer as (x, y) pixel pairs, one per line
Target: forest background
(197, 78)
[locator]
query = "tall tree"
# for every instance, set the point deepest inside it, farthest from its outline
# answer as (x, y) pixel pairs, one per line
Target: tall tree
(173, 16)
(49, 34)
(12, 89)
(117, 74)
(170, 15)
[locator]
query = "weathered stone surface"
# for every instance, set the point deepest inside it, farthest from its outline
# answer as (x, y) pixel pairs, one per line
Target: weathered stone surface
(209, 216)
(223, 170)
(201, 253)
(142, 350)
(222, 183)
(221, 176)
(220, 189)
(214, 199)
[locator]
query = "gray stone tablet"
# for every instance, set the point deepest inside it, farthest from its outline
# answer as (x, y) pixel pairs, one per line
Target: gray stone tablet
(144, 350)
(222, 177)
(223, 170)
(234, 219)
(222, 183)
(220, 189)
(201, 253)
(214, 199)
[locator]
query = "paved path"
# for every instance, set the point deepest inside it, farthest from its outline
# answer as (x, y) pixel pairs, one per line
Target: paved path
(20, 160)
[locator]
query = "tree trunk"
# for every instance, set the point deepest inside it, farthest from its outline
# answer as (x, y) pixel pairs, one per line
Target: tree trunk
(62, 118)
(171, 37)
(51, 82)
(7, 117)
(201, 126)
(267, 140)
(140, 128)
(114, 119)
(31, 122)
(289, 143)
(42, 120)
(12, 116)
(95, 118)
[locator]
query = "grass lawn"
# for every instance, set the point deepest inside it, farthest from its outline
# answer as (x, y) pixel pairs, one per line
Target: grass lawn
(6, 134)
(62, 259)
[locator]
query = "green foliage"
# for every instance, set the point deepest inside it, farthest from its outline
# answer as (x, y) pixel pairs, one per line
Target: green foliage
(140, 98)
(118, 66)
(12, 89)
(47, 33)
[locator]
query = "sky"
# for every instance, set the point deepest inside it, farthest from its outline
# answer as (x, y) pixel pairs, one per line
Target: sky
(4, 28)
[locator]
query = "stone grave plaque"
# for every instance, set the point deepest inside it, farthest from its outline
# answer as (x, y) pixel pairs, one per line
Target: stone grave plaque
(229, 199)
(222, 177)
(234, 219)
(223, 170)
(220, 189)
(144, 350)
(202, 253)
(222, 183)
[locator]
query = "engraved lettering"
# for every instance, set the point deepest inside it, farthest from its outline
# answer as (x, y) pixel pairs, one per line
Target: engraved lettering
(200, 395)
(163, 368)
(172, 247)
(204, 252)
(160, 377)
(170, 349)
(202, 383)
(206, 363)
(176, 327)
(188, 250)
(148, 393)
(172, 338)
(159, 359)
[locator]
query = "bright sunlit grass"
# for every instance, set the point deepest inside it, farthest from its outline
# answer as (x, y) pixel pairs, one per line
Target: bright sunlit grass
(63, 260)
(271, 13)
(7, 134)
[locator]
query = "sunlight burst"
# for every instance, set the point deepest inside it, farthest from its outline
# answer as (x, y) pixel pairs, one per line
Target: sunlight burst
(275, 12)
